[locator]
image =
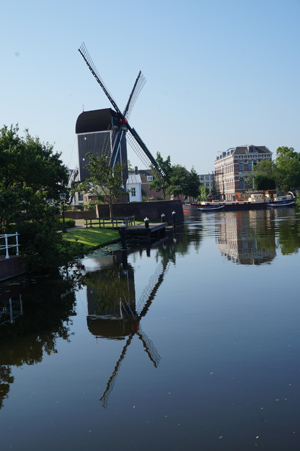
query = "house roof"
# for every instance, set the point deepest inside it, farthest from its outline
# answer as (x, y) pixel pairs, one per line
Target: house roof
(134, 179)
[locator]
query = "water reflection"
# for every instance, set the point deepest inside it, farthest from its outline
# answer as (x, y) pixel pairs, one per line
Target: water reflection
(33, 316)
(114, 313)
(247, 237)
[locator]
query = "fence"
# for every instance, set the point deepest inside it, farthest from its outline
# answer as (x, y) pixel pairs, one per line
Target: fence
(110, 222)
(8, 246)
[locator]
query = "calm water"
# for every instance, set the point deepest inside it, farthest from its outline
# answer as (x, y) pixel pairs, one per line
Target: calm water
(192, 343)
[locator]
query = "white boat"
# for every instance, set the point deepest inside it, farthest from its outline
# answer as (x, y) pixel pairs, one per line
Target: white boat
(211, 207)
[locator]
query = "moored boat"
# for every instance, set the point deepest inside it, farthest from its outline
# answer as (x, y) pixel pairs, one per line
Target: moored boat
(283, 201)
(211, 208)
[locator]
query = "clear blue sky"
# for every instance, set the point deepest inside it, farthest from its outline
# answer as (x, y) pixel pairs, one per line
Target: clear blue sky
(219, 73)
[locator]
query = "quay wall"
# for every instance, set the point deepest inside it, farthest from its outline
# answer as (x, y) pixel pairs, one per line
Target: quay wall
(151, 210)
(11, 267)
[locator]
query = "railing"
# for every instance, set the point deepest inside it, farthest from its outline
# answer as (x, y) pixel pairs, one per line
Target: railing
(110, 222)
(7, 246)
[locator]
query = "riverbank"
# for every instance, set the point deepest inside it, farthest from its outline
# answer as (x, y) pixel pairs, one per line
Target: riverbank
(90, 238)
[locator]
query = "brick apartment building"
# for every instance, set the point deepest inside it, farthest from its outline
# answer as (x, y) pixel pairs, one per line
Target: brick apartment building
(232, 168)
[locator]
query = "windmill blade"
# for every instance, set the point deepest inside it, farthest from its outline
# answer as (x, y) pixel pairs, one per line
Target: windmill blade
(111, 381)
(146, 151)
(150, 291)
(137, 87)
(149, 347)
(116, 146)
(87, 58)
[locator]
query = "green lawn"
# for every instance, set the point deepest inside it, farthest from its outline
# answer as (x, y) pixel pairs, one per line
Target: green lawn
(92, 237)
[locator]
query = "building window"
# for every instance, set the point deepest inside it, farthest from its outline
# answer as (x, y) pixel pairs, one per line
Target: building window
(242, 183)
(149, 178)
(241, 166)
(249, 165)
(133, 192)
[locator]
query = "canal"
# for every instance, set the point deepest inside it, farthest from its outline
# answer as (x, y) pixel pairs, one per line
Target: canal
(192, 342)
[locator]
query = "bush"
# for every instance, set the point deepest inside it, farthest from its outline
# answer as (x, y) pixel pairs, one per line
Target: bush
(69, 223)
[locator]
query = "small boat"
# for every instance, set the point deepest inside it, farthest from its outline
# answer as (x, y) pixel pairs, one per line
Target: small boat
(283, 201)
(282, 204)
(211, 208)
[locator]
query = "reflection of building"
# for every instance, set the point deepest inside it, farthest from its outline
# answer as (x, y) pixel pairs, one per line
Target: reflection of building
(111, 301)
(233, 166)
(241, 240)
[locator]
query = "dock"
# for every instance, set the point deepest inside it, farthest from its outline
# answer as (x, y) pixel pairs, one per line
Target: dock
(153, 231)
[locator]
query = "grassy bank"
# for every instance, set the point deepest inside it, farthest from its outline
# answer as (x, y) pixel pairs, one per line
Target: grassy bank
(92, 237)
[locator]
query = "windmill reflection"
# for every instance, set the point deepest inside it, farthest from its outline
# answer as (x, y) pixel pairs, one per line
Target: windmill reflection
(113, 312)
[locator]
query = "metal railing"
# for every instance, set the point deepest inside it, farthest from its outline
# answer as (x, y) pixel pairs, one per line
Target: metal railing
(6, 246)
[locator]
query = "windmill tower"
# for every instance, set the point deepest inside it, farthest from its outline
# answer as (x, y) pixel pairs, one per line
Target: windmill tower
(107, 131)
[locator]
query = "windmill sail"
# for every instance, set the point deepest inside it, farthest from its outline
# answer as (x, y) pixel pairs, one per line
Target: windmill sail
(138, 145)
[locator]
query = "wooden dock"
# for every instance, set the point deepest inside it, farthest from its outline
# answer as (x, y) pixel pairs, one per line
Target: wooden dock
(153, 231)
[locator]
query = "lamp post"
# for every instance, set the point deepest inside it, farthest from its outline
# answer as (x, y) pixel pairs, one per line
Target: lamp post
(63, 198)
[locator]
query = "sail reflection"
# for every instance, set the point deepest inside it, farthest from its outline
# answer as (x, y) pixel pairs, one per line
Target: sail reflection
(114, 313)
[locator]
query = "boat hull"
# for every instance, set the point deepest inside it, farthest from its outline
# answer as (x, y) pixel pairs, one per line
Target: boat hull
(237, 206)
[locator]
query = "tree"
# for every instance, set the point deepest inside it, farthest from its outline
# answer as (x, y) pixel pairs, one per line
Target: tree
(31, 174)
(105, 182)
(204, 191)
(193, 184)
(159, 183)
(287, 169)
(177, 181)
(263, 176)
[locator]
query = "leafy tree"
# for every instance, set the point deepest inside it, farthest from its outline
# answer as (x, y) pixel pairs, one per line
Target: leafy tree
(263, 182)
(193, 184)
(204, 191)
(159, 183)
(105, 182)
(177, 181)
(287, 168)
(263, 176)
(31, 173)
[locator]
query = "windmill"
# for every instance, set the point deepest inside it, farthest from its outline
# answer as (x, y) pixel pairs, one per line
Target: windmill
(106, 132)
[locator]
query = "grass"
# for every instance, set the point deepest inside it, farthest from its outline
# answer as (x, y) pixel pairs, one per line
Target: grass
(91, 237)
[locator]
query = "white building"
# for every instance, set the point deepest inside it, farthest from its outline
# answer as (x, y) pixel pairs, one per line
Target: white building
(134, 186)
(207, 180)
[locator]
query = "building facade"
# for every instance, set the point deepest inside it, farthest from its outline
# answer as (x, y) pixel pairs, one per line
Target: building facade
(232, 168)
(134, 187)
(207, 180)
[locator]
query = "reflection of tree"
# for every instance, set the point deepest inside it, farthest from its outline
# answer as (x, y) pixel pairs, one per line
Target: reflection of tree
(288, 230)
(5, 380)
(47, 305)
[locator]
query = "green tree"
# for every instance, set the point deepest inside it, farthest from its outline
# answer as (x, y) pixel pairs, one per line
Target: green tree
(104, 182)
(159, 183)
(204, 191)
(287, 169)
(193, 184)
(30, 175)
(263, 176)
(177, 181)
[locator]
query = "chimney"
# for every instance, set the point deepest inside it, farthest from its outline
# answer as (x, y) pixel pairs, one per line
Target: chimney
(135, 169)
